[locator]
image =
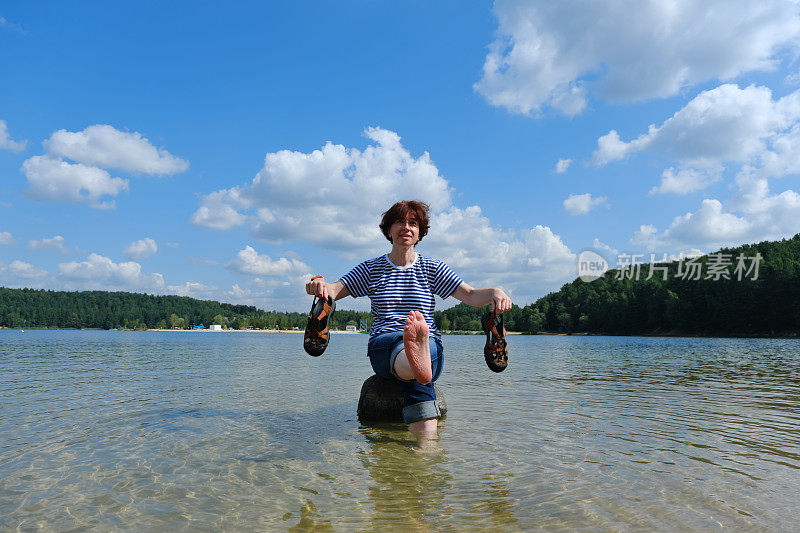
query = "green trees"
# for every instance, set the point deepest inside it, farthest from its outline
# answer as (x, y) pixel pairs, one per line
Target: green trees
(616, 304)
(177, 322)
(124, 310)
(536, 320)
(711, 305)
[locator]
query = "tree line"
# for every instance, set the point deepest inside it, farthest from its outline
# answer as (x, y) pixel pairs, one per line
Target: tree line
(37, 308)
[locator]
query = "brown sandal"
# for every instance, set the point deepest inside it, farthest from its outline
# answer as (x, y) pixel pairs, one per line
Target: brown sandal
(495, 352)
(317, 333)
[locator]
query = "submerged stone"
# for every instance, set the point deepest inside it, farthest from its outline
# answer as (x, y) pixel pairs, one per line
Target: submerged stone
(382, 401)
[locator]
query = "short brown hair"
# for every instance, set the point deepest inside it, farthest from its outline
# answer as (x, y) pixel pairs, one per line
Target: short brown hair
(403, 210)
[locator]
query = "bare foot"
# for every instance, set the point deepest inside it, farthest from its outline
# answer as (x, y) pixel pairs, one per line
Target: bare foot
(418, 351)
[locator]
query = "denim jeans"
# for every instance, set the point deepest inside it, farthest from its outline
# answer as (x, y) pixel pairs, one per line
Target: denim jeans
(419, 401)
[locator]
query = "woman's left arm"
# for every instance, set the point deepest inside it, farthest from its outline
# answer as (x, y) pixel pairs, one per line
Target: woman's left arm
(480, 297)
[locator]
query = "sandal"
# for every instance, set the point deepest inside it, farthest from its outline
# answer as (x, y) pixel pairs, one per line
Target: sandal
(496, 351)
(317, 333)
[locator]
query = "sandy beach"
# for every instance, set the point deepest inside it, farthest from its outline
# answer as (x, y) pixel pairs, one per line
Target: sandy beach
(336, 332)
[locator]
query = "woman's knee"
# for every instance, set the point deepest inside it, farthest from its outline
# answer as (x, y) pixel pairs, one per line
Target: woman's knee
(402, 368)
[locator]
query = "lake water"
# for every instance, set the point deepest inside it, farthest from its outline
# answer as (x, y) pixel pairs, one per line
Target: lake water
(244, 431)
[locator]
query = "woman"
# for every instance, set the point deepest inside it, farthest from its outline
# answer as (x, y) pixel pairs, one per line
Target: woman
(404, 343)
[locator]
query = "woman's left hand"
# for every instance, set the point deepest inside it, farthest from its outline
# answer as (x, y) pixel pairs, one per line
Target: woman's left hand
(500, 301)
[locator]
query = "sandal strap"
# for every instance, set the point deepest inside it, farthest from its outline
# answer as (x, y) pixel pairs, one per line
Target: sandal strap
(314, 323)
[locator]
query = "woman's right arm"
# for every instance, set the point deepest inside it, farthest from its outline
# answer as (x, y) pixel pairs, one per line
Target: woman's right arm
(320, 288)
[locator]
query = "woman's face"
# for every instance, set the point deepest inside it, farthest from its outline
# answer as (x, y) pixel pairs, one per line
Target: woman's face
(405, 232)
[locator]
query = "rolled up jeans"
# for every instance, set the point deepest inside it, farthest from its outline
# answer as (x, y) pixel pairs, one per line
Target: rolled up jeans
(419, 401)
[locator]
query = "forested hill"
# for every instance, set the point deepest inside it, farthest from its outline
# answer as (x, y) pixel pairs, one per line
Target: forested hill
(106, 310)
(716, 294)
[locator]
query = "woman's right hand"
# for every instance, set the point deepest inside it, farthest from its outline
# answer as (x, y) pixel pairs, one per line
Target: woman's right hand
(317, 287)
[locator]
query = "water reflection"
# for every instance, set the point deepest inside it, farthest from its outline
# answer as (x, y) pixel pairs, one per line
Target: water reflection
(409, 481)
(310, 520)
(416, 486)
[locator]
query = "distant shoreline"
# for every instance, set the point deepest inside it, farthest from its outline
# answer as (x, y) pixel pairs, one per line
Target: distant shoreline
(790, 335)
(336, 331)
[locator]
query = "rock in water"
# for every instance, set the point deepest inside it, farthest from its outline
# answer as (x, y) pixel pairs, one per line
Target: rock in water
(382, 401)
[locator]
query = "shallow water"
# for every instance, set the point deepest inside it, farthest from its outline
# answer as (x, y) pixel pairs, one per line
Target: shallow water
(244, 431)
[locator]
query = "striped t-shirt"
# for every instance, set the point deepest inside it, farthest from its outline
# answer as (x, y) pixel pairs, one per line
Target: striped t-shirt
(395, 291)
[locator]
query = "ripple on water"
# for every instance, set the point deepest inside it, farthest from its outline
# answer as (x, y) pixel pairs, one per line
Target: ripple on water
(244, 431)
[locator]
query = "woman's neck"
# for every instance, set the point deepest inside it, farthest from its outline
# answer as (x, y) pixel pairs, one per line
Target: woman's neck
(402, 255)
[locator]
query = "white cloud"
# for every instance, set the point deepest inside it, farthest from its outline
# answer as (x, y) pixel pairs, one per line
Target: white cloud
(172, 244)
(772, 216)
(488, 250)
(99, 272)
(580, 204)
(646, 230)
(104, 146)
(721, 129)
(687, 180)
(5, 139)
(562, 165)
(219, 210)
(723, 124)
(25, 271)
(332, 197)
(752, 215)
(59, 181)
(709, 226)
(646, 235)
(526, 264)
(6, 238)
(54, 243)
(782, 158)
(599, 245)
(11, 26)
(555, 53)
(83, 181)
(610, 147)
(196, 290)
(281, 296)
(250, 262)
(141, 249)
(545, 249)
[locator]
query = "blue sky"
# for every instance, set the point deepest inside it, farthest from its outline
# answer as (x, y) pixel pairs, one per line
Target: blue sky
(229, 152)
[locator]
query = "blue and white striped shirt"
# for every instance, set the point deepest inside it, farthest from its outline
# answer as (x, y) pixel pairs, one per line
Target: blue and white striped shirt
(395, 291)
